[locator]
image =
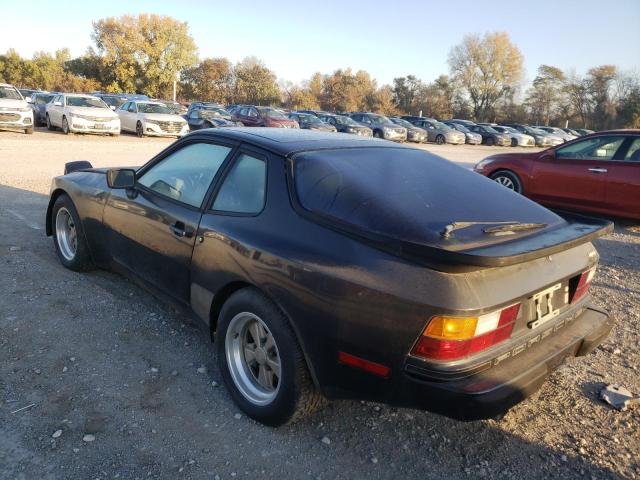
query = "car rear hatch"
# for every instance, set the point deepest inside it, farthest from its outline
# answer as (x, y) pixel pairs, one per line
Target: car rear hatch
(417, 205)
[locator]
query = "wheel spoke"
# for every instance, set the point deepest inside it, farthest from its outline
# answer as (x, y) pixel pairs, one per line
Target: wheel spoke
(274, 365)
(249, 355)
(263, 376)
(255, 333)
(262, 332)
(269, 343)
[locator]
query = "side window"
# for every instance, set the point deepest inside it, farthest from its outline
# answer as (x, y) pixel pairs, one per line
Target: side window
(597, 148)
(125, 106)
(244, 112)
(186, 174)
(253, 113)
(633, 154)
(132, 107)
(243, 191)
(195, 113)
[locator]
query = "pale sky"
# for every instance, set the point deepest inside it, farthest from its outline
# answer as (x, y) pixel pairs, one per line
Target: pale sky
(386, 38)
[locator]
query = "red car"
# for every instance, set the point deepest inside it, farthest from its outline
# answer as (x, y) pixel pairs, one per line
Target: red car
(596, 173)
(251, 116)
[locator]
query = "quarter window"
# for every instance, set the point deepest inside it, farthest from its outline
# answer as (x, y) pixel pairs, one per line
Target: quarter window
(186, 174)
(633, 154)
(243, 191)
(597, 148)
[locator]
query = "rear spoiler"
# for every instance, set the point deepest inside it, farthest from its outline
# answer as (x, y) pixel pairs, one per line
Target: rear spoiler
(70, 167)
(577, 230)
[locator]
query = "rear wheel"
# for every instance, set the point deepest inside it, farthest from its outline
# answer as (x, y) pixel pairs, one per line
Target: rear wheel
(139, 130)
(508, 179)
(68, 236)
(261, 361)
(440, 139)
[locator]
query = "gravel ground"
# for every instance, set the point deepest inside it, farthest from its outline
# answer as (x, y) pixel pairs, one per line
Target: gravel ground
(114, 385)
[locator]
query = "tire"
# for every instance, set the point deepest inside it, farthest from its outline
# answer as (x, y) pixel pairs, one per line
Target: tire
(65, 126)
(74, 257)
(508, 179)
(290, 394)
(48, 122)
(490, 142)
(440, 140)
(377, 134)
(28, 130)
(139, 130)
(514, 142)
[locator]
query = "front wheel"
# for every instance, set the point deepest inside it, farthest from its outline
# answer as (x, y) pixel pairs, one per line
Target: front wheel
(68, 236)
(65, 126)
(139, 130)
(508, 179)
(261, 361)
(490, 142)
(48, 122)
(440, 139)
(514, 142)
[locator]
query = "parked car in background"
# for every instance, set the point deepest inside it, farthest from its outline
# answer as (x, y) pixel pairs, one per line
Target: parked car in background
(151, 118)
(309, 121)
(597, 173)
(287, 271)
(253, 116)
(15, 111)
(381, 126)
(29, 92)
(113, 100)
(439, 132)
(542, 138)
(490, 136)
(557, 132)
(571, 131)
(584, 131)
(414, 134)
(77, 113)
(466, 123)
(317, 113)
(209, 115)
(345, 124)
(39, 106)
(470, 137)
(518, 139)
(175, 107)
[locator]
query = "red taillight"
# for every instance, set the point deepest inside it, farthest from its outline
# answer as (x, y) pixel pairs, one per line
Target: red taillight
(490, 330)
(583, 285)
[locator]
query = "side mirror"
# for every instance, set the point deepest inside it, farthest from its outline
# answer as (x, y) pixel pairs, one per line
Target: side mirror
(57, 104)
(549, 156)
(121, 178)
(28, 99)
(112, 107)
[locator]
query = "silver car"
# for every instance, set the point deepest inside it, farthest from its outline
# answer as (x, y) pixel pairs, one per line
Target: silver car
(471, 138)
(440, 133)
(518, 139)
(557, 132)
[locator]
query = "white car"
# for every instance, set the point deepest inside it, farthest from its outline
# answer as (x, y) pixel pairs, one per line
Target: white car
(77, 113)
(518, 139)
(15, 111)
(556, 132)
(151, 118)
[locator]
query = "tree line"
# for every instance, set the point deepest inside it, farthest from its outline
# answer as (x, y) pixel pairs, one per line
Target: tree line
(147, 53)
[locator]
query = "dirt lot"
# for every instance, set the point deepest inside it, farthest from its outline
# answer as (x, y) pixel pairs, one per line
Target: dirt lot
(93, 354)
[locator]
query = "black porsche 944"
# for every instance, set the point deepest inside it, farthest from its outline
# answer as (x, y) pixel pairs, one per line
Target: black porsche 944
(334, 266)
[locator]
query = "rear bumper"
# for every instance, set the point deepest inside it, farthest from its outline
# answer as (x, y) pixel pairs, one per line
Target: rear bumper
(495, 390)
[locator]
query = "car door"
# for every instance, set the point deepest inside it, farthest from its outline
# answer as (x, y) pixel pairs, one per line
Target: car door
(623, 185)
(122, 114)
(55, 111)
(131, 117)
(575, 175)
(152, 228)
(230, 227)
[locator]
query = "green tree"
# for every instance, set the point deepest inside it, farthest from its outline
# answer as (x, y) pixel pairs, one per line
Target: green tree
(143, 53)
(487, 69)
(254, 83)
(545, 96)
(405, 92)
(210, 80)
(599, 82)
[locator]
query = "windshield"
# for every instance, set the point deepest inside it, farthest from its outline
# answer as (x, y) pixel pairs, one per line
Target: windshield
(379, 119)
(42, 99)
(153, 108)
(509, 129)
(91, 102)
(537, 131)
(489, 129)
(342, 120)
(442, 126)
(308, 118)
(402, 122)
(460, 128)
(215, 111)
(273, 113)
(113, 101)
(10, 93)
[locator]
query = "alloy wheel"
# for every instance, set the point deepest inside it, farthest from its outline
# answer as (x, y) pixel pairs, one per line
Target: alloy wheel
(66, 234)
(506, 182)
(139, 130)
(253, 358)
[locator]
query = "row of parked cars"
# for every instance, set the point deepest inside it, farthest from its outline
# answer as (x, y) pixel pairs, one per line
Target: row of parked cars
(112, 113)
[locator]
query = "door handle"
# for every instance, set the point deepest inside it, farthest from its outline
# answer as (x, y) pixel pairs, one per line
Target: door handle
(179, 230)
(598, 170)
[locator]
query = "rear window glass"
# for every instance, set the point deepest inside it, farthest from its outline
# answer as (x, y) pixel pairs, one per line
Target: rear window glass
(403, 193)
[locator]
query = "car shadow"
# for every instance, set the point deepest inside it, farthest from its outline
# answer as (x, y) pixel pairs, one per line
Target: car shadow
(112, 379)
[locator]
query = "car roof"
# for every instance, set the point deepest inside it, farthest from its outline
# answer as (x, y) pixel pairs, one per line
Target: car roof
(287, 141)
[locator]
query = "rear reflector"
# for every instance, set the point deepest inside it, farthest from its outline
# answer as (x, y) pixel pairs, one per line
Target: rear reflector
(452, 337)
(362, 364)
(584, 282)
